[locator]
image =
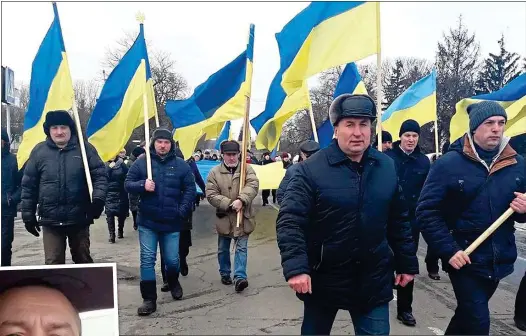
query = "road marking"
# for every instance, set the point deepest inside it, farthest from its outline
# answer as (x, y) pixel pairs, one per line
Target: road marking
(436, 331)
(274, 206)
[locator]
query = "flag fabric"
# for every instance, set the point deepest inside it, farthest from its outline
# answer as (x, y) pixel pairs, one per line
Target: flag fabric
(225, 135)
(120, 109)
(350, 82)
(51, 88)
(511, 97)
(220, 98)
(323, 35)
(418, 102)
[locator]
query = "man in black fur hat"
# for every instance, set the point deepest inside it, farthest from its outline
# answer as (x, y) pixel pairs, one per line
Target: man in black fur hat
(54, 178)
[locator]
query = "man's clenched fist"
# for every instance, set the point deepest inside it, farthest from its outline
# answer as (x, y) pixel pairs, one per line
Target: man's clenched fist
(301, 283)
(459, 259)
(149, 185)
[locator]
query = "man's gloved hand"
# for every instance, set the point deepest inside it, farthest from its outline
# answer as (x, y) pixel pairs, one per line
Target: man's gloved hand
(96, 208)
(32, 226)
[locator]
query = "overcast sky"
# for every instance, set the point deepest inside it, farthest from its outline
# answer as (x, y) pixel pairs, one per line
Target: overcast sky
(203, 37)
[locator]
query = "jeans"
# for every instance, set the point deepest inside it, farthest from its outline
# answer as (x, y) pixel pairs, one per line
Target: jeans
(473, 293)
(54, 239)
(8, 228)
(240, 258)
(520, 301)
(185, 241)
(169, 245)
(318, 320)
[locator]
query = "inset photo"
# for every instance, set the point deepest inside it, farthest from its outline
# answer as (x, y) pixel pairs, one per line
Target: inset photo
(65, 300)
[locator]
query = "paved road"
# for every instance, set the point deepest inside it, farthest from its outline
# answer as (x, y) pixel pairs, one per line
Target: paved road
(267, 306)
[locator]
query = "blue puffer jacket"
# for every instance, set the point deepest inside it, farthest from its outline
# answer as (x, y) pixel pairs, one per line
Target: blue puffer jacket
(347, 228)
(164, 209)
(449, 224)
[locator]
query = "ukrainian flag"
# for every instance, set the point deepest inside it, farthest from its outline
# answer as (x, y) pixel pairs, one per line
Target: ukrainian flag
(221, 98)
(322, 36)
(120, 109)
(225, 135)
(51, 88)
(350, 82)
(418, 102)
(512, 97)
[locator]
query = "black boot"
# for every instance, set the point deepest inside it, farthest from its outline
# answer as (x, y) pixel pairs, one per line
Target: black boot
(175, 286)
(149, 296)
(184, 267)
(111, 228)
(406, 318)
(121, 228)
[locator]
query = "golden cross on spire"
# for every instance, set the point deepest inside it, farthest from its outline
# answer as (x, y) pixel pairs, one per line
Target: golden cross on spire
(140, 17)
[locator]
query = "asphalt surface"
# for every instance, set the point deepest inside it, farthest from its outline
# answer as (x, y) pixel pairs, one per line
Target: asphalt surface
(268, 305)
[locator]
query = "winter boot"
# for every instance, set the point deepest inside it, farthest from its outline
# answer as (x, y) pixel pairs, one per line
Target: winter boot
(175, 286)
(121, 228)
(149, 296)
(184, 267)
(111, 228)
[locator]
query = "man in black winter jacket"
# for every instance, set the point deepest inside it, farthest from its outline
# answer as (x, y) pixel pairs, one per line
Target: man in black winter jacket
(10, 197)
(165, 202)
(343, 229)
(467, 189)
(412, 168)
(54, 178)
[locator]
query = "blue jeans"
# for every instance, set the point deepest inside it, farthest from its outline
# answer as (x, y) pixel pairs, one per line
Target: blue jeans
(240, 258)
(318, 320)
(169, 245)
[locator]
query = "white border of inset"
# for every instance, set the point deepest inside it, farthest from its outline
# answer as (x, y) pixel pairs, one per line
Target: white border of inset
(67, 266)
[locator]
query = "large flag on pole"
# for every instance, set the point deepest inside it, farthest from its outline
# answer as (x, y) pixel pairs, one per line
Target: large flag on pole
(119, 109)
(418, 102)
(50, 89)
(512, 97)
(222, 97)
(322, 36)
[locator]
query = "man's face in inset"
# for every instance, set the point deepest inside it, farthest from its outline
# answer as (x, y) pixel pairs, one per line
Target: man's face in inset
(231, 159)
(60, 134)
(489, 134)
(388, 145)
(162, 146)
(37, 310)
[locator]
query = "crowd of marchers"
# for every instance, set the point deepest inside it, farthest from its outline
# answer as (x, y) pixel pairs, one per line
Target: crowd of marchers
(349, 221)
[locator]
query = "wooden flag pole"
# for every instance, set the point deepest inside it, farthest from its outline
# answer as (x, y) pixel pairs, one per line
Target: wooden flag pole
(437, 147)
(146, 132)
(378, 80)
(489, 231)
(82, 149)
(246, 136)
(312, 121)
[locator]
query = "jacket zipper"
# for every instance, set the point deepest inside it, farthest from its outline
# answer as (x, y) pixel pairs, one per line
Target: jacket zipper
(317, 266)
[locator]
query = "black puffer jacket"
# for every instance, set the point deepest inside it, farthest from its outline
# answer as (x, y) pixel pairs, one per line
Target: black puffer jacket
(133, 198)
(117, 203)
(346, 226)
(412, 171)
(10, 183)
(54, 179)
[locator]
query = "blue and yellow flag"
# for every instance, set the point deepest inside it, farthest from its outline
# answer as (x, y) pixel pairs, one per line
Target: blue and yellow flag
(221, 98)
(350, 82)
(418, 102)
(51, 88)
(225, 135)
(322, 36)
(512, 97)
(120, 109)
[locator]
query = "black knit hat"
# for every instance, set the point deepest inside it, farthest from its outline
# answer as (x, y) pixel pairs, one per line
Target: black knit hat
(386, 137)
(138, 151)
(161, 133)
(60, 117)
(5, 136)
(351, 105)
(309, 147)
(409, 125)
(481, 111)
(230, 146)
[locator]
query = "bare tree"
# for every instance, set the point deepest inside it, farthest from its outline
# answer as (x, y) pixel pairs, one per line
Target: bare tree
(86, 93)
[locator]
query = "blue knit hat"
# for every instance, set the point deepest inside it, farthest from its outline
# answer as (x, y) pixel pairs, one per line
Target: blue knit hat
(481, 111)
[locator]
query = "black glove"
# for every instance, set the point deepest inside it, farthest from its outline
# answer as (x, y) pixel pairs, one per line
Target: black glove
(33, 227)
(96, 208)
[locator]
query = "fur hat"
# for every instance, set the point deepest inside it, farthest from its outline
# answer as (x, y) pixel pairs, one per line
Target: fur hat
(351, 105)
(60, 117)
(230, 146)
(162, 133)
(309, 147)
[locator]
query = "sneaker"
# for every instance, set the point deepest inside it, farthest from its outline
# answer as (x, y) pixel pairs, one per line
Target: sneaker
(226, 280)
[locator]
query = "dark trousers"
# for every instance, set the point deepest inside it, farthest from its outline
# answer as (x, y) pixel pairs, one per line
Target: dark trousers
(111, 223)
(54, 239)
(8, 234)
(473, 294)
(520, 301)
(134, 216)
(266, 193)
(185, 241)
(405, 294)
(432, 262)
(318, 320)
